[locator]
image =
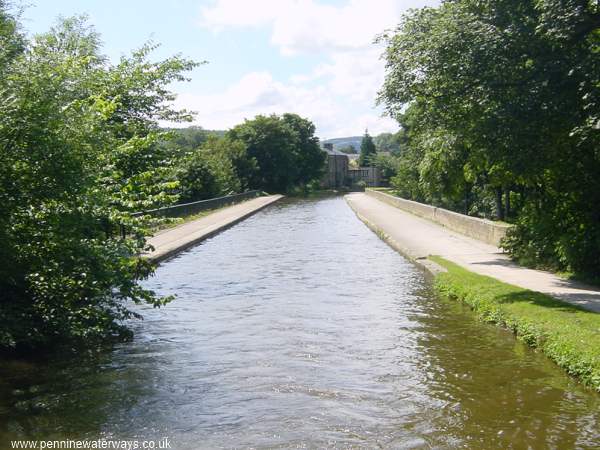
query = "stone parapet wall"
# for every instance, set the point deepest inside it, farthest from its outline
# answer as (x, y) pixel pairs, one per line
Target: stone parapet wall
(480, 229)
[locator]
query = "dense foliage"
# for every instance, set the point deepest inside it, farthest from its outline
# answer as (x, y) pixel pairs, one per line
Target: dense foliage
(499, 104)
(78, 153)
(387, 142)
(284, 148)
(215, 168)
(367, 151)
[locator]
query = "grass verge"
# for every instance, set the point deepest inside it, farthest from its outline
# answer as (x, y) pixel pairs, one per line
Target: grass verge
(567, 334)
(176, 221)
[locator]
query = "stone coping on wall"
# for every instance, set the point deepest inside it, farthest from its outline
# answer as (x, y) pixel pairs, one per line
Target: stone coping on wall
(481, 229)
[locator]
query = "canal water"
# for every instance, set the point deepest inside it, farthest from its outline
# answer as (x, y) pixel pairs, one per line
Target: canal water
(299, 328)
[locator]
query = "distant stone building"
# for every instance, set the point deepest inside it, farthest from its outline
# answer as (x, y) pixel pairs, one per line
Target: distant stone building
(370, 175)
(336, 172)
(339, 175)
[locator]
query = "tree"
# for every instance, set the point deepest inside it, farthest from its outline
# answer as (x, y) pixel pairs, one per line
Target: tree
(182, 141)
(210, 170)
(504, 94)
(308, 155)
(387, 164)
(387, 142)
(367, 150)
(78, 153)
(12, 42)
(244, 166)
(285, 149)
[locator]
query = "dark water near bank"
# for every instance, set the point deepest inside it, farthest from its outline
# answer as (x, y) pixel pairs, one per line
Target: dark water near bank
(299, 328)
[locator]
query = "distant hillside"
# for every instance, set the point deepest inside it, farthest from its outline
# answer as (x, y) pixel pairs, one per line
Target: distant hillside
(340, 143)
(194, 129)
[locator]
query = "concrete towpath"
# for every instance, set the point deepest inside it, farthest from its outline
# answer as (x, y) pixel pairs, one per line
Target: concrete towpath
(171, 241)
(419, 238)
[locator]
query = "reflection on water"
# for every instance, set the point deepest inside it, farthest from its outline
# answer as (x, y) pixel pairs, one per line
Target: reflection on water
(300, 328)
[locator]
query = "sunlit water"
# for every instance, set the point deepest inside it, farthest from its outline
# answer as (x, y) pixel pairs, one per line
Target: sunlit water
(299, 328)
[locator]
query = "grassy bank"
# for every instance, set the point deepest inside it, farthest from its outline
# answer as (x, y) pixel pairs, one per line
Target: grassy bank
(567, 334)
(172, 222)
(176, 221)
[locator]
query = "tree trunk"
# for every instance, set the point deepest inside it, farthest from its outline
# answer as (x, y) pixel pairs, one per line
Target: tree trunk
(467, 198)
(522, 196)
(499, 205)
(507, 202)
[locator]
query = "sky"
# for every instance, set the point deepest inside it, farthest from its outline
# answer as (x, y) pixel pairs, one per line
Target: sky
(315, 58)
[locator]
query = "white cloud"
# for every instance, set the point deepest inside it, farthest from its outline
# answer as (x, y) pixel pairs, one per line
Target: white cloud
(338, 95)
(308, 25)
(236, 13)
(356, 75)
(258, 93)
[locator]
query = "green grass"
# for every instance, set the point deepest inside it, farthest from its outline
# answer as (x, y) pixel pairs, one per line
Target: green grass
(174, 222)
(387, 190)
(567, 334)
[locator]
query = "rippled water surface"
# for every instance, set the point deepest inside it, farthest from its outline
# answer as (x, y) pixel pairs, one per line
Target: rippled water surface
(299, 328)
